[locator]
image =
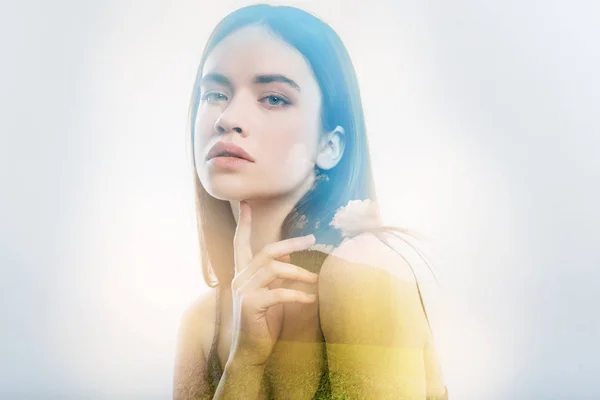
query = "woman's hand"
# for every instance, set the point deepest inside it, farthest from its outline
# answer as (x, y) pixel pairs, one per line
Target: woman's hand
(258, 310)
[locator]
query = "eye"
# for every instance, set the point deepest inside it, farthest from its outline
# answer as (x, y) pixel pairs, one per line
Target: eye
(210, 96)
(273, 100)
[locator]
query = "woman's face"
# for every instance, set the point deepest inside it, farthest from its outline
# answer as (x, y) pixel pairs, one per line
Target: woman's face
(259, 93)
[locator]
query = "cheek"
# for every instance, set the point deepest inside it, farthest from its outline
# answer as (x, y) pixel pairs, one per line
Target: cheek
(203, 126)
(289, 163)
(299, 157)
(293, 150)
(205, 120)
(301, 147)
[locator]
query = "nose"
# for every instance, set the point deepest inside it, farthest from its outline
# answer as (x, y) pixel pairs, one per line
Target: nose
(220, 129)
(229, 120)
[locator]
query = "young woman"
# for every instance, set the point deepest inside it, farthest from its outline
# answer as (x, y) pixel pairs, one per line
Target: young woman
(301, 304)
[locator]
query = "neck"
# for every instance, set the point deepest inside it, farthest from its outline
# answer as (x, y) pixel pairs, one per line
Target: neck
(268, 214)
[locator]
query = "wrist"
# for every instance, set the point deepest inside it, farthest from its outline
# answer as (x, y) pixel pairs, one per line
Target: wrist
(241, 380)
(236, 363)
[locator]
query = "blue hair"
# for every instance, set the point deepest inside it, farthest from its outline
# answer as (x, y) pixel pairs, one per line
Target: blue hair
(351, 178)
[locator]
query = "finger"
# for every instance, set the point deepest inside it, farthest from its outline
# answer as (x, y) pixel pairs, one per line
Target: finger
(285, 247)
(275, 251)
(285, 259)
(277, 270)
(241, 239)
(269, 298)
(279, 282)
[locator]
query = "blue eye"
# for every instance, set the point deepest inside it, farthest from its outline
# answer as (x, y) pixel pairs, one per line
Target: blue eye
(211, 96)
(277, 100)
(272, 100)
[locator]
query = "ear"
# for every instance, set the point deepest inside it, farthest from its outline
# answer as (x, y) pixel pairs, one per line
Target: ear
(331, 148)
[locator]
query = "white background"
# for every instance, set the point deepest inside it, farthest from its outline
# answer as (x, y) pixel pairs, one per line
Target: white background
(482, 120)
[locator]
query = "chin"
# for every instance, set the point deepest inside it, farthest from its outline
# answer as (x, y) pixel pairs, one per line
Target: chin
(236, 187)
(226, 191)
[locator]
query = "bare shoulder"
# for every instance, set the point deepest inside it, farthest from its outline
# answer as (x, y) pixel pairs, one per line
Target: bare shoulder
(190, 358)
(367, 252)
(196, 326)
(359, 304)
(196, 314)
(368, 295)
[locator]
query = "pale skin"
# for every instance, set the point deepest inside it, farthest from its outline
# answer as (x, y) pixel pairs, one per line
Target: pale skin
(286, 141)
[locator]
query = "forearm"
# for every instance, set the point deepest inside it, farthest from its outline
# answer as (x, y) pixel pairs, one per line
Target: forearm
(240, 381)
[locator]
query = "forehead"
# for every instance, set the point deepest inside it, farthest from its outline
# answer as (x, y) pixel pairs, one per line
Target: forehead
(253, 51)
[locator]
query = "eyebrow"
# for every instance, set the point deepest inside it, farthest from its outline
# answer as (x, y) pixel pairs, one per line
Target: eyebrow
(258, 79)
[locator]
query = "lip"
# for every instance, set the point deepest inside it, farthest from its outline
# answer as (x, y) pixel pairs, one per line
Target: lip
(230, 163)
(222, 147)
